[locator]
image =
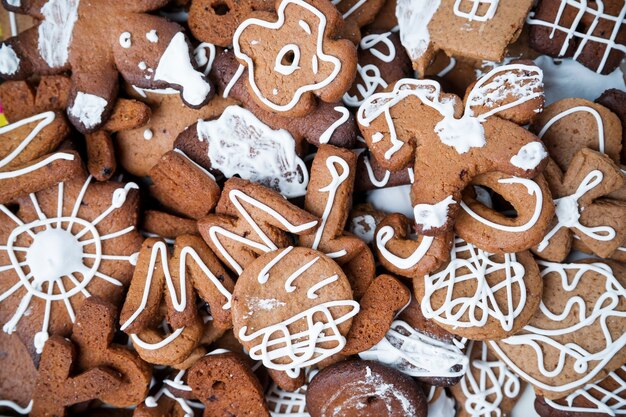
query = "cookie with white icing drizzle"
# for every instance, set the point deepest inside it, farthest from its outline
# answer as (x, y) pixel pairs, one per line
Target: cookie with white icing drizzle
(357, 14)
(17, 375)
(292, 309)
(64, 244)
(469, 140)
(293, 56)
(97, 47)
(364, 388)
(577, 335)
(581, 211)
(479, 295)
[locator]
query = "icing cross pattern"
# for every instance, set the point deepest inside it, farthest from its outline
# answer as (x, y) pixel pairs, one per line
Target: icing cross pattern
(302, 349)
(57, 254)
(477, 308)
(583, 12)
(388, 123)
(474, 12)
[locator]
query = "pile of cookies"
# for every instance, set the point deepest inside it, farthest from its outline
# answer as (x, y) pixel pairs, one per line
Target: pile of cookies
(312, 208)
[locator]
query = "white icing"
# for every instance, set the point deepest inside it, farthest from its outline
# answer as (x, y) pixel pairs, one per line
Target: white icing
(236, 76)
(578, 109)
(583, 39)
(152, 36)
(473, 14)
(417, 354)
(364, 227)
(9, 61)
(56, 255)
(289, 403)
(385, 234)
(496, 382)
(567, 212)
(148, 134)
(475, 309)
(55, 30)
(290, 68)
(529, 156)
(88, 109)
(413, 19)
(319, 52)
(203, 58)
(142, 66)
(352, 9)
(175, 68)
(16, 407)
(462, 134)
(126, 40)
(240, 144)
(568, 78)
(570, 314)
(443, 406)
(432, 216)
(533, 189)
(328, 133)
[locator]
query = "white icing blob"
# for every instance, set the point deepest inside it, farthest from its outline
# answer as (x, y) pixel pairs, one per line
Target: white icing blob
(240, 144)
(152, 36)
(530, 156)
(175, 68)
(142, 66)
(54, 253)
(126, 40)
(431, 216)
(88, 108)
(9, 62)
(565, 78)
(413, 19)
(364, 227)
(55, 31)
(148, 134)
(462, 134)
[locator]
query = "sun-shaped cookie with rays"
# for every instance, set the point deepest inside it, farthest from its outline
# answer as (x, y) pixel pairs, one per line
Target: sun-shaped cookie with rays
(61, 245)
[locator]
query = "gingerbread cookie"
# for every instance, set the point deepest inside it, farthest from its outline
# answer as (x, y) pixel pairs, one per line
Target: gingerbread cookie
(468, 142)
(284, 301)
(576, 336)
(371, 175)
(157, 273)
(329, 196)
(64, 244)
(487, 228)
(17, 375)
(239, 144)
(592, 34)
(364, 388)
(479, 295)
(381, 61)
(601, 398)
(356, 14)
(283, 403)
(159, 224)
(148, 51)
(615, 100)
(580, 211)
(292, 57)
(251, 220)
(474, 29)
(488, 388)
(328, 123)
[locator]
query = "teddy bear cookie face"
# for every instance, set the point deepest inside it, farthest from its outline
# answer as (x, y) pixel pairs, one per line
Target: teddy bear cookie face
(283, 74)
(66, 243)
(289, 301)
(563, 347)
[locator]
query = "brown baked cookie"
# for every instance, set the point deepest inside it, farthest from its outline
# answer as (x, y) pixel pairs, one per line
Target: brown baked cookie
(284, 301)
(599, 399)
(22, 99)
(468, 28)
(183, 186)
(55, 389)
(147, 50)
(401, 254)
(569, 125)
(364, 388)
(329, 197)
(328, 123)
(215, 21)
(93, 334)
(63, 245)
(293, 56)
(160, 282)
(615, 100)
(226, 385)
(384, 299)
(356, 14)
(599, 223)
(420, 349)
(251, 220)
(488, 388)
(469, 140)
(239, 144)
(576, 336)
(371, 175)
(480, 224)
(593, 34)
(363, 221)
(157, 223)
(386, 18)
(17, 375)
(381, 61)
(481, 296)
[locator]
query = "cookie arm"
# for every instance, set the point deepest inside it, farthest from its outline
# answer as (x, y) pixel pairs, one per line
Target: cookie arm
(20, 58)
